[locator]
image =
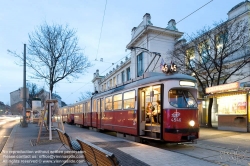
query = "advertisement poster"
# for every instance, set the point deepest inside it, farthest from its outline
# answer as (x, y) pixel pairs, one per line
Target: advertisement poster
(235, 104)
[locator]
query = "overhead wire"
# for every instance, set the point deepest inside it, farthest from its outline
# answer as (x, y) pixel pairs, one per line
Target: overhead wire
(148, 40)
(182, 19)
(101, 30)
(100, 73)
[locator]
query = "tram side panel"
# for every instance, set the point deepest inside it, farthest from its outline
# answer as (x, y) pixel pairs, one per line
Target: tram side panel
(64, 118)
(94, 119)
(78, 119)
(125, 121)
(107, 119)
(88, 119)
(70, 118)
(99, 116)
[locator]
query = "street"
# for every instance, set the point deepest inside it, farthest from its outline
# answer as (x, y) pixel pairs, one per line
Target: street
(6, 125)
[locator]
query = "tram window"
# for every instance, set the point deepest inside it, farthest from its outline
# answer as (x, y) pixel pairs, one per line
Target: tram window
(98, 105)
(102, 105)
(94, 106)
(88, 107)
(117, 101)
(81, 108)
(181, 98)
(129, 99)
(72, 110)
(108, 103)
(76, 110)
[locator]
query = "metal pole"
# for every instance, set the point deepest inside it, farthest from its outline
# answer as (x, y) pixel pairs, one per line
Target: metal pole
(50, 133)
(24, 124)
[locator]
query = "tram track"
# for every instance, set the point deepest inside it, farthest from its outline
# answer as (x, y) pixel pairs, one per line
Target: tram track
(215, 152)
(221, 155)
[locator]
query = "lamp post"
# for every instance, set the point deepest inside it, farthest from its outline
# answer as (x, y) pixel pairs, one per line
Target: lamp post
(24, 123)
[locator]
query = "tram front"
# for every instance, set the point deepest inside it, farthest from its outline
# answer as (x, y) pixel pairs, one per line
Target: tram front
(180, 115)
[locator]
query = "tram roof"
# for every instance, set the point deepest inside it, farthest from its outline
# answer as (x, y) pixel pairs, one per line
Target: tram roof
(148, 78)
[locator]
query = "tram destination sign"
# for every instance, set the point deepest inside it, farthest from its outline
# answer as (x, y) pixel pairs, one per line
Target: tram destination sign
(224, 87)
(168, 69)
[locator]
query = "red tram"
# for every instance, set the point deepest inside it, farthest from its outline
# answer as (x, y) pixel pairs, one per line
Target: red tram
(173, 116)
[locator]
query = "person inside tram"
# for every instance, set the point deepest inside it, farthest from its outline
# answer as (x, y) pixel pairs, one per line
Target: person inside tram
(149, 112)
(157, 112)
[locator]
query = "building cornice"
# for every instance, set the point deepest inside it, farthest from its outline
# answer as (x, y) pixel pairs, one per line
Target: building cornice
(149, 28)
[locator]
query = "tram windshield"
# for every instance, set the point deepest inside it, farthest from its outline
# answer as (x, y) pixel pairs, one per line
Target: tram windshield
(181, 98)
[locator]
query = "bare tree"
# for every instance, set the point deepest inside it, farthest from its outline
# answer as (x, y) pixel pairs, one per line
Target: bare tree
(33, 91)
(215, 56)
(54, 54)
(85, 95)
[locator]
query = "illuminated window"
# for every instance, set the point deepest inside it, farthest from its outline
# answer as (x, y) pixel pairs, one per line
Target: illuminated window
(190, 59)
(117, 101)
(102, 105)
(88, 107)
(72, 110)
(94, 106)
(76, 109)
(187, 83)
(129, 100)
(98, 106)
(83, 108)
(108, 103)
(235, 104)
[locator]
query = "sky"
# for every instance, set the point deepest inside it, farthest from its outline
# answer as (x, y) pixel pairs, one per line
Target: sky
(97, 40)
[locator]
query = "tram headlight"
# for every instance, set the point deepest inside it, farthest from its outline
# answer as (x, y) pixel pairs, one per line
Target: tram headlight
(191, 123)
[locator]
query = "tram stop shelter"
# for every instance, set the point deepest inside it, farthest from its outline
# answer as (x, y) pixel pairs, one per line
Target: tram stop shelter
(232, 106)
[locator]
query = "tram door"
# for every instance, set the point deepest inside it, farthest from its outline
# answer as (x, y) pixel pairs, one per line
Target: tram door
(150, 119)
(142, 110)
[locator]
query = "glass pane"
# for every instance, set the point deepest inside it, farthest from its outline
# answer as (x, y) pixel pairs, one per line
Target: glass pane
(129, 103)
(102, 105)
(88, 107)
(181, 98)
(94, 106)
(118, 97)
(129, 95)
(118, 105)
(108, 103)
(98, 105)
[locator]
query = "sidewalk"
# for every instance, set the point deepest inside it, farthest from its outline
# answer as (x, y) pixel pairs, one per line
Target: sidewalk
(19, 150)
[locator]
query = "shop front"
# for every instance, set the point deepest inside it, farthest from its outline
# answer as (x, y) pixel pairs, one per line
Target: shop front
(233, 105)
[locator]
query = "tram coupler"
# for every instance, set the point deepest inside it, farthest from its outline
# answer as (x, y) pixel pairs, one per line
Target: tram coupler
(191, 138)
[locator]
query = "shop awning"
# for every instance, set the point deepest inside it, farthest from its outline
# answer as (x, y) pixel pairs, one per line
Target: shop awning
(226, 94)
